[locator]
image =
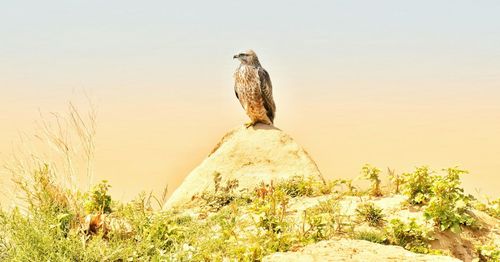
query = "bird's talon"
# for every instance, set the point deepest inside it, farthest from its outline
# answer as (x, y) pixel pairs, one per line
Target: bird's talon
(249, 124)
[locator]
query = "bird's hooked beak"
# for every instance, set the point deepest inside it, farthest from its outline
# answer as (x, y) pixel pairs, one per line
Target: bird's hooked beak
(236, 56)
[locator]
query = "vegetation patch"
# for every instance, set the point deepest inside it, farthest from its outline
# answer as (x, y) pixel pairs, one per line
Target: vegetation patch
(489, 252)
(374, 236)
(449, 207)
(409, 235)
(417, 185)
(373, 174)
(370, 213)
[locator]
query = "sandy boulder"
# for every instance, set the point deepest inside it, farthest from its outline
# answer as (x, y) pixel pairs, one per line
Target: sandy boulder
(250, 155)
(352, 250)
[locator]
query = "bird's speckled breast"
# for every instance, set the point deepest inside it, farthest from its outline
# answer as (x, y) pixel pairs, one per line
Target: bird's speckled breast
(247, 85)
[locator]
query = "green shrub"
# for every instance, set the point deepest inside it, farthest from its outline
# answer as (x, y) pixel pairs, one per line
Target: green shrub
(260, 224)
(273, 207)
(42, 193)
(418, 185)
(4, 231)
(372, 236)
(322, 221)
(488, 252)
(222, 195)
(410, 235)
(396, 180)
(370, 213)
(372, 173)
(299, 186)
(443, 199)
(349, 187)
(492, 207)
(98, 200)
(448, 205)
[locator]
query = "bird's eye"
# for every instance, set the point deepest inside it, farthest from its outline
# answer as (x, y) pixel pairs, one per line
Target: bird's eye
(243, 54)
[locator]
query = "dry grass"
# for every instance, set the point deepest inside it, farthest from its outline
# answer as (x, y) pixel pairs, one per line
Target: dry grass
(64, 147)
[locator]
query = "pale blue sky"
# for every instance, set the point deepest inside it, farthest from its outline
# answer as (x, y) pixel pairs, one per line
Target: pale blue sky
(150, 39)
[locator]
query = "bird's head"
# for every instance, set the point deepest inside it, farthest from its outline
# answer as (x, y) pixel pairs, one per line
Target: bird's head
(248, 57)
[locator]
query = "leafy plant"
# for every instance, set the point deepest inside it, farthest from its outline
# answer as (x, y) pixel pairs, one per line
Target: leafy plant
(410, 235)
(396, 180)
(449, 205)
(322, 221)
(350, 188)
(274, 209)
(488, 252)
(222, 195)
(98, 200)
(298, 186)
(370, 213)
(492, 207)
(372, 173)
(372, 236)
(418, 185)
(41, 191)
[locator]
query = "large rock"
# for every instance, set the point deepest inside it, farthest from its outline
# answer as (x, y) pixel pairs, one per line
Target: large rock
(250, 155)
(352, 250)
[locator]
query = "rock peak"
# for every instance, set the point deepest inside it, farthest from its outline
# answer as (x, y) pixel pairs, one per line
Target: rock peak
(253, 155)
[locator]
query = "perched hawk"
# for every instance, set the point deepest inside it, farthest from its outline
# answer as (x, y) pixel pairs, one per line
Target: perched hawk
(253, 89)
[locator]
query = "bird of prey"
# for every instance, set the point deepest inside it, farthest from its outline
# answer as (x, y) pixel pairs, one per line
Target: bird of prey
(253, 89)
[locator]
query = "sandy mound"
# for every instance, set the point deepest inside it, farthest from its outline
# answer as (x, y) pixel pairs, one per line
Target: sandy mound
(460, 245)
(352, 250)
(251, 156)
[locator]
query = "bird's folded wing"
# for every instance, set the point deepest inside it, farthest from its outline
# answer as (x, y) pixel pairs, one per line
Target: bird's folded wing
(266, 89)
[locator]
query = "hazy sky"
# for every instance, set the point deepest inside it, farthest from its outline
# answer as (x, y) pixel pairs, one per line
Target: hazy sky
(392, 83)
